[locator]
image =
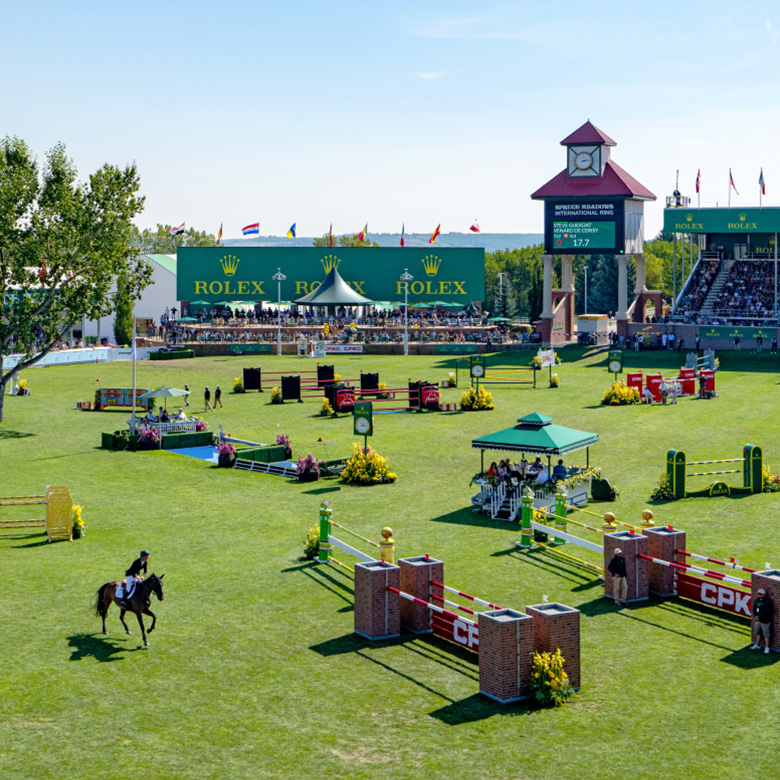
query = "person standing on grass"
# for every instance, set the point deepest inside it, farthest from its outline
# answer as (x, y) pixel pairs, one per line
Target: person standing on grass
(218, 397)
(774, 345)
(763, 610)
(207, 398)
(187, 397)
(617, 568)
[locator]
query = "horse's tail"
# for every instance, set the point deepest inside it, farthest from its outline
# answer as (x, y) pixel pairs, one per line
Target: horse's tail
(100, 610)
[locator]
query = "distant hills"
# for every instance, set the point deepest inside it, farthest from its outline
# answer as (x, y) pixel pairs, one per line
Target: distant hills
(490, 242)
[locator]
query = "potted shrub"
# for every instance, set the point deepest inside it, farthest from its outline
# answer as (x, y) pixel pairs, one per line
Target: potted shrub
(308, 468)
(149, 438)
(284, 441)
(227, 455)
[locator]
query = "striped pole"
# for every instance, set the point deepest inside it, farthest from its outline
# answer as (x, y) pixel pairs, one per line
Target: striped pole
(560, 515)
(452, 604)
(599, 569)
(612, 520)
(465, 595)
(710, 473)
(526, 508)
(325, 546)
(430, 606)
(715, 560)
(687, 567)
(357, 536)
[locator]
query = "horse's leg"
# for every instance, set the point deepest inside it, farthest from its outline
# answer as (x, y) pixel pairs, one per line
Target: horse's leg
(104, 613)
(122, 618)
(149, 612)
(143, 630)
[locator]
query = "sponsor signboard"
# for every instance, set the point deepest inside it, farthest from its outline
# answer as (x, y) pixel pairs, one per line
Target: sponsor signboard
(343, 349)
(714, 594)
(455, 630)
(456, 349)
(736, 221)
(732, 332)
(123, 396)
(245, 274)
(251, 349)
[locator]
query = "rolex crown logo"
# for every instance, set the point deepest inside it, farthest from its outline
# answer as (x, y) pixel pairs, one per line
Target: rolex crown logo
(229, 264)
(431, 264)
(689, 217)
(329, 262)
(742, 217)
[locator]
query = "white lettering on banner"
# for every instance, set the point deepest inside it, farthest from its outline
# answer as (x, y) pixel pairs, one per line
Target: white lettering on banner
(471, 636)
(726, 598)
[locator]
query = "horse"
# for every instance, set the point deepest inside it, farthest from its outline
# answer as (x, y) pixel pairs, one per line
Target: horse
(137, 603)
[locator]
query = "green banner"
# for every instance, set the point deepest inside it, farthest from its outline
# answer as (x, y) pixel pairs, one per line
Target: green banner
(723, 220)
(457, 349)
(238, 274)
(732, 332)
(251, 349)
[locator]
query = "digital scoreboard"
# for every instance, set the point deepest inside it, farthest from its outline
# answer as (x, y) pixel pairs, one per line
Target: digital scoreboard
(584, 235)
(584, 227)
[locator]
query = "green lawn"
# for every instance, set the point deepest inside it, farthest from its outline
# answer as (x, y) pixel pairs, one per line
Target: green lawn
(254, 671)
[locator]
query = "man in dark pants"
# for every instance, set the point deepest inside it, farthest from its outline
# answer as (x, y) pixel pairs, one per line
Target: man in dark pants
(617, 568)
(763, 609)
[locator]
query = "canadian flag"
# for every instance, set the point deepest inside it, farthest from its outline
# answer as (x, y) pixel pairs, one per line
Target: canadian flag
(475, 227)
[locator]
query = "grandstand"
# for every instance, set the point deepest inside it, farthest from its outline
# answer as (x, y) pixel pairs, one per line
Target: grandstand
(735, 281)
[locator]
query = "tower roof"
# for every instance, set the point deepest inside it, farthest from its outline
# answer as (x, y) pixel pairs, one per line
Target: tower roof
(588, 134)
(614, 183)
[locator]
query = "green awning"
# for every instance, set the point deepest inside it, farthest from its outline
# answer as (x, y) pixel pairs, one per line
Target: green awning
(537, 434)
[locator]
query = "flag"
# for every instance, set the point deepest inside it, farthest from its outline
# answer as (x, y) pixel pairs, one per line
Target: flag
(436, 233)
(249, 229)
(363, 234)
(291, 231)
(698, 181)
(330, 235)
(219, 235)
(176, 231)
(731, 182)
(761, 182)
(475, 227)
(403, 231)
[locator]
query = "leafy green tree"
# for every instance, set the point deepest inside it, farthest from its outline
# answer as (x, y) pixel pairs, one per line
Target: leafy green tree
(160, 241)
(124, 325)
(343, 241)
(64, 245)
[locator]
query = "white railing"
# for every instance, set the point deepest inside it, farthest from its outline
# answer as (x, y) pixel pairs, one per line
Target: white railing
(178, 426)
(497, 499)
(514, 504)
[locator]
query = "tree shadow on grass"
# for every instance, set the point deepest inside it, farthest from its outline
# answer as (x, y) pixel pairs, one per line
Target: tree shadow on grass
(98, 647)
(547, 562)
(5, 433)
(318, 491)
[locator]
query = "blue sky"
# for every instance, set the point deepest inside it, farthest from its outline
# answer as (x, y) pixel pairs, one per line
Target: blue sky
(390, 113)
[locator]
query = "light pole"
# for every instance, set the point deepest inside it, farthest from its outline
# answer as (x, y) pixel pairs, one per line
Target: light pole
(279, 277)
(501, 306)
(406, 277)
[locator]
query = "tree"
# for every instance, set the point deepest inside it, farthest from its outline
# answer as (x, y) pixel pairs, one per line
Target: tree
(343, 241)
(603, 284)
(124, 322)
(161, 242)
(63, 247)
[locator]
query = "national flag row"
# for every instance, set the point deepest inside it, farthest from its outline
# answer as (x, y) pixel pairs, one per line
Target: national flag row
(254, 229)
(761, 182)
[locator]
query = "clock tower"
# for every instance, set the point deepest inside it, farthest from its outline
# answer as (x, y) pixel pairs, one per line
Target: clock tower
(592, 207)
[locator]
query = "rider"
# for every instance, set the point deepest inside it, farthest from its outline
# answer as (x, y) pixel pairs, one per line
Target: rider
(133, 575)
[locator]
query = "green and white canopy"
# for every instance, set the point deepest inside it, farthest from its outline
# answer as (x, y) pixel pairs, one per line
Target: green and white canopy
(537, 434)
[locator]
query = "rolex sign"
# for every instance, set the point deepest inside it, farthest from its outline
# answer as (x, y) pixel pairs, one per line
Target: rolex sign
(237, 274)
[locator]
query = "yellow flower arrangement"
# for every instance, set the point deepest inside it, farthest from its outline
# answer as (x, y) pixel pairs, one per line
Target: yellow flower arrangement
(619, 394)
(276, 396)
(475, 400)
(78, 522)
(238, 385)
(550, 686)
(367, 468)
(326, 410)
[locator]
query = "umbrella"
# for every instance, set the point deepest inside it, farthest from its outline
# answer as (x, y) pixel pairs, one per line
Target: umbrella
(419, 305)
(223, 303)
(188, 319)
(499, 319)
(164, 392)
(452, 305)
(200, 303)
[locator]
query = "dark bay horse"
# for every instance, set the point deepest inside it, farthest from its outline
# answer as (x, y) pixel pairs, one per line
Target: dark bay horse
(138, 602)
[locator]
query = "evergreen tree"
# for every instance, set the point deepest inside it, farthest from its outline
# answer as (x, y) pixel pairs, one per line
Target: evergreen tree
(603, 284)
(123, 322)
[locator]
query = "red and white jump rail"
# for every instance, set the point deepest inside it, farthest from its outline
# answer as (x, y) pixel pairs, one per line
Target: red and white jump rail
(687, 567)
(728, 564)
(432, 607)
(465, 595)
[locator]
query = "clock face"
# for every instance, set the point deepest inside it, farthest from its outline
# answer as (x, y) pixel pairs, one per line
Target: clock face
(583, 160)
(362, 425)
(477, 370)
(614, 366)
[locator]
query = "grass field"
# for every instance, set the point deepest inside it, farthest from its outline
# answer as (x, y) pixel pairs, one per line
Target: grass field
(254, 671)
